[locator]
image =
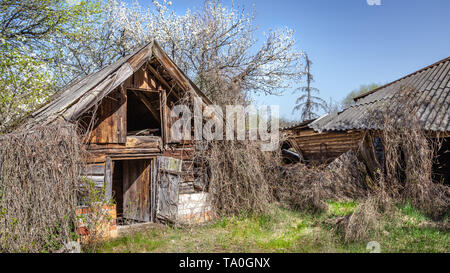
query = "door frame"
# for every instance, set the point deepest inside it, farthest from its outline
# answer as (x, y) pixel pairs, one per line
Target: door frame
(109, 174)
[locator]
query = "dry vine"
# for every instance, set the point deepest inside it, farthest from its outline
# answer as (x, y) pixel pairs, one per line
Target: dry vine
(236, 177)
(409, 156)
(39, 175)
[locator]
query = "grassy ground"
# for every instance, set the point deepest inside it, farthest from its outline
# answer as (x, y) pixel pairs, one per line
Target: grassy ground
(284, 230)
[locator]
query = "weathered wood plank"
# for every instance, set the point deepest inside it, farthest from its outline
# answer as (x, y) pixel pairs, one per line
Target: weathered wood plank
(163, 113)
(125, 151)
(102, 90)
(111, 120)
(140, 79)
(109, 167)
(325, 145)
(159, 78)
(170, 164)
(97, 179)
(148, 90)
(131, 142)
(122, 117)
(139, 59)
(136, 186)
(94, 169)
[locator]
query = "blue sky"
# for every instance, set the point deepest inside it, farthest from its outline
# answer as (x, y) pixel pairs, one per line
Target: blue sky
(351, 43)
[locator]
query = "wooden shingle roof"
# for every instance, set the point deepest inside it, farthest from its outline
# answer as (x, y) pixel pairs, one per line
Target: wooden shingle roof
(73, 100)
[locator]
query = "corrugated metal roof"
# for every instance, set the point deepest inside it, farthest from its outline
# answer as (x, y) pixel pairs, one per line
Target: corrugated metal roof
(298, 125)
(432, 85)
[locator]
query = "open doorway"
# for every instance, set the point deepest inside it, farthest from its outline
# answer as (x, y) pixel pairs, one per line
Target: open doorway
(132, 189)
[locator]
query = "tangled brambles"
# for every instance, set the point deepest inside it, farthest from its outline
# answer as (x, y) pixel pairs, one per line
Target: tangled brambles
(368, 220)
(409, 155)
(309, 187)
(302, 188)
(237, 180)
(41, 185)
(39, 172)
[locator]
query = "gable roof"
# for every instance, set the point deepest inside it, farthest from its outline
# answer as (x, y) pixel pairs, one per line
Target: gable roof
(76, 98)
(432, 85)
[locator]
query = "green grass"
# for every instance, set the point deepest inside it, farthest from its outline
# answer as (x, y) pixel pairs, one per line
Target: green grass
(284, 230)
(341, 208)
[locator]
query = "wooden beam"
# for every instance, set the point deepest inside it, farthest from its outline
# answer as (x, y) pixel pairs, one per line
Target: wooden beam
(162, 81)
(148, 105)
(159, 77)
(143, 90)
(139, 142)
(139, 59)
(163, 110)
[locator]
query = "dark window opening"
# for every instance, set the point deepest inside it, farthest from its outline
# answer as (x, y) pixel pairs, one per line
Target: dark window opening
(441, 166)
(143, 114)
(289, 154)
(379, 150)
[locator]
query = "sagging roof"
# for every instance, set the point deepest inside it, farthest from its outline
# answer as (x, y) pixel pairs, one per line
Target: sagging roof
(76, 98)
(299, 125)
(432, 84)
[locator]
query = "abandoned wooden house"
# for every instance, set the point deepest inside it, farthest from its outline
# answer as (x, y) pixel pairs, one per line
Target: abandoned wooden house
(325, 138)
(125, 108)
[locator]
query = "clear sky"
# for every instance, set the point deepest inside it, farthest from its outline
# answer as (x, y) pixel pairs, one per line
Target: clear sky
(352, 43)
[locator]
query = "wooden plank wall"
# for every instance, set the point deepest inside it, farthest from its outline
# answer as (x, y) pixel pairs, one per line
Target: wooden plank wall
(323, 146)
(111, 115)
(185, 152)
(135, 146)
(96, 173)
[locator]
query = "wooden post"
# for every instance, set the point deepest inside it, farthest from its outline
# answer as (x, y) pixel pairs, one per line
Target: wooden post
(108, 177)
(164, 121)
(367, 154)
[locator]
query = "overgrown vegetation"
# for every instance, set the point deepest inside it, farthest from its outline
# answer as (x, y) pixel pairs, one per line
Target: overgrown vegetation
(409, 155)
(39, 172)
(243, 179)
(337, 207)
(237, 179)
(96, 218)
(309, 187)
(285, 230)
(41, 185)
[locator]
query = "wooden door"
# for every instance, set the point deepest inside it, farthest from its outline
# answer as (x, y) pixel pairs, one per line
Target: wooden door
(111, 120)
(169, 178)
(137, 176)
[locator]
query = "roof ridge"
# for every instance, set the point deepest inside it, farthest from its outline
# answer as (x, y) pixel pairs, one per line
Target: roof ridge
(402, 78)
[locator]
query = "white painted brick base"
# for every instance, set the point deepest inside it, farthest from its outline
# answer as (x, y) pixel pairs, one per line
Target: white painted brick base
(194, 208)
